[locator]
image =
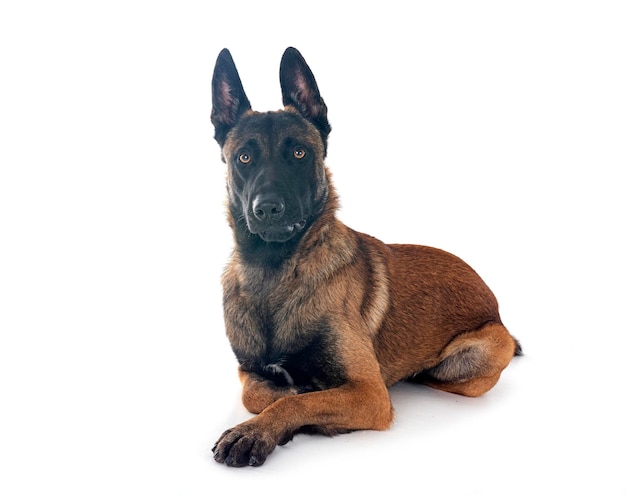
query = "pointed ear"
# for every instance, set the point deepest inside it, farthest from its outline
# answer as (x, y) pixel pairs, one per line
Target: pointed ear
(300, 91)
(229, 99)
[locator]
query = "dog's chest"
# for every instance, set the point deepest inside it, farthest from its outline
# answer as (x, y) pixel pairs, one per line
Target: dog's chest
(275, 332)
(278, 328)
(310, 364)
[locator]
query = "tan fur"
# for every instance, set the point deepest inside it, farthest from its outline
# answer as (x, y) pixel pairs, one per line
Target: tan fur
(377, 313)
(397, 310)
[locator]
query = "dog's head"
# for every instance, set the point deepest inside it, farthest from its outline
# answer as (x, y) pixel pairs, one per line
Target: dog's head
(277, 182)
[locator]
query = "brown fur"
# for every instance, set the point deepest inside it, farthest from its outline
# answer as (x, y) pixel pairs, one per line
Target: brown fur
(385, 313)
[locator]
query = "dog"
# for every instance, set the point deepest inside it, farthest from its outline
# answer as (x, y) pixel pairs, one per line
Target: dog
(323, 319)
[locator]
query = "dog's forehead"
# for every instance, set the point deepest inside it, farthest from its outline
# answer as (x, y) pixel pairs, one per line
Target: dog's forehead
(272, 129)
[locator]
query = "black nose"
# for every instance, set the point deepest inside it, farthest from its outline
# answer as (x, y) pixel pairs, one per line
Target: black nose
(268, 207)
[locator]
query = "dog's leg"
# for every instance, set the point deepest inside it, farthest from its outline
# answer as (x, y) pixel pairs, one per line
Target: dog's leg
(473, 361)
(353, 406)
(259, 392)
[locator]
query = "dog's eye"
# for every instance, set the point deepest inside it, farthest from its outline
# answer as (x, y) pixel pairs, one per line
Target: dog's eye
(244, 158)
(299, 153)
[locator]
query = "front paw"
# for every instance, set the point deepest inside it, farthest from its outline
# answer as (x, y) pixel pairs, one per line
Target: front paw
(278, 375)
(243, 445)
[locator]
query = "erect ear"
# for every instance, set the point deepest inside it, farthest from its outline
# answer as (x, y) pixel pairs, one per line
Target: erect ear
(229, 98)
(300, 91)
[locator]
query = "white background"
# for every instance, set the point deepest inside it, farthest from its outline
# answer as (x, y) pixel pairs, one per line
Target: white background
(494, 130)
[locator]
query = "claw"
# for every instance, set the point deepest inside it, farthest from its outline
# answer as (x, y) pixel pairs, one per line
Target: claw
(243, 446)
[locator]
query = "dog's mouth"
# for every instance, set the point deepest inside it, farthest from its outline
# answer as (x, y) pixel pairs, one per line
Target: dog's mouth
(281, 233)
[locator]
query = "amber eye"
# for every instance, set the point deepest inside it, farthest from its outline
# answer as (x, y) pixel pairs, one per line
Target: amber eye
(245, 158)
(299, 153)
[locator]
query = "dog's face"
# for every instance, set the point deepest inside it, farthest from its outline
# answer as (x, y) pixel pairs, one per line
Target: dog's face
(275, 163)
(276, 179)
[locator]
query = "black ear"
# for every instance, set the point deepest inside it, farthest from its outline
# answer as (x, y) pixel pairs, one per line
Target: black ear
(300, 91)
(229, 98)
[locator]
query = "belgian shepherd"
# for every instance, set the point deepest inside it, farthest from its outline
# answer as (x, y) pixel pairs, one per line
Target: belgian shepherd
(323, 319)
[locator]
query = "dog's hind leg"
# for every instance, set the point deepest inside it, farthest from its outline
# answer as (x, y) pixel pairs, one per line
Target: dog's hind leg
(472, 362)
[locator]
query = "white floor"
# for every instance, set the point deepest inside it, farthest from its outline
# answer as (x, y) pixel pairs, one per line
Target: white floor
(490, 130)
